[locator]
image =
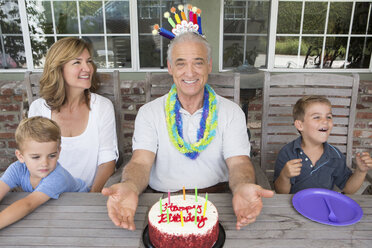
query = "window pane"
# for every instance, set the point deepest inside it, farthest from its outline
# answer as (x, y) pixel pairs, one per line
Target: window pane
(289, 17)
(234, 16)
(39, 16)
(334, 56)
(91, 17)
(311, 52)
(12, 52)
(99, 56)
(65, 14)
(40, 46)
(360, 18)
(360, 52)
(149, 13)
(314, 17)
(119, 52)
(233, 48)
(117, 17)
(339, 18)
(258, 17)
(256, 51)
(286, 50)
(152, 49)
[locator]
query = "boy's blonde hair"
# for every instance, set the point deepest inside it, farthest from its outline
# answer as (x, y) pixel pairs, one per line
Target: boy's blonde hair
(302, 103)
(39, 129)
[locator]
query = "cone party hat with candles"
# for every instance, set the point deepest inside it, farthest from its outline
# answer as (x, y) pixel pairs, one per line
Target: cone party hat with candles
(180, 21)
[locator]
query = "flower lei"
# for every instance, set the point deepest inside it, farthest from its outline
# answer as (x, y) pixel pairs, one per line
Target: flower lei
(207, 128)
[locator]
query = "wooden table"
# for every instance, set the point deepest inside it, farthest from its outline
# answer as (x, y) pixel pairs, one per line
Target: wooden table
(80, 220)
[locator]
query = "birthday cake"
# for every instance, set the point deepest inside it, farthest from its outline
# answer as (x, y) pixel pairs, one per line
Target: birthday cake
(175, 226)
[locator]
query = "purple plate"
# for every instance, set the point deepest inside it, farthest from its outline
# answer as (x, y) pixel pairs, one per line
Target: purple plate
(312, 204)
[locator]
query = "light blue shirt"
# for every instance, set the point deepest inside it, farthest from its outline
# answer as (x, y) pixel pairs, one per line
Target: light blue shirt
(57, 182)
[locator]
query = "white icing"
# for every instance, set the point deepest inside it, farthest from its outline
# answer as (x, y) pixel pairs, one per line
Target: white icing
(176, 228)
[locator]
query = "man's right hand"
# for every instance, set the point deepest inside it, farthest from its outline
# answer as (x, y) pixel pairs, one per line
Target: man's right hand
(122, 204)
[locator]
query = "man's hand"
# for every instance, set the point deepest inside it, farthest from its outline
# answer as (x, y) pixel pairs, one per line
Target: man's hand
(292, 168)
(364, 161)
(247, 203)
(122, 204)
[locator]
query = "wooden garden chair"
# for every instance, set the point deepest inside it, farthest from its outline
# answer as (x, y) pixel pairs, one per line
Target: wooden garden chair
(280, 93)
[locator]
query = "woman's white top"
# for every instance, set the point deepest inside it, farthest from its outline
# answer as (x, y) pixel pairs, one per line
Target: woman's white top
(81, 155)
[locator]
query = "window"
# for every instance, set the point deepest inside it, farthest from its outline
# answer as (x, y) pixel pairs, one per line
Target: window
(304, 35)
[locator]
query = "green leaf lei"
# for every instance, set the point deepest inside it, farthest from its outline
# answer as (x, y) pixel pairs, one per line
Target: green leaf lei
(207, 128)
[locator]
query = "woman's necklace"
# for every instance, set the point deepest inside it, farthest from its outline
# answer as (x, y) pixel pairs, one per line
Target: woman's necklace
(207, 128)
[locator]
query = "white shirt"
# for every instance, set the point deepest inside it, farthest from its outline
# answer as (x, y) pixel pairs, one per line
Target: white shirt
(172, 170)
(81, 155)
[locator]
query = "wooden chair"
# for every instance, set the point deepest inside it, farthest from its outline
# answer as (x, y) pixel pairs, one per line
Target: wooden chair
(280, 93)
(226, 85)
(109, 87)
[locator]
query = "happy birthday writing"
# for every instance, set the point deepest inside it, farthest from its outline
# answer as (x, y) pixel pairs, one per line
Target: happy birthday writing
(188, 217)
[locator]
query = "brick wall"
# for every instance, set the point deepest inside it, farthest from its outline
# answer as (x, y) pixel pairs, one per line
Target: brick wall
(11, 109)
(133, 97)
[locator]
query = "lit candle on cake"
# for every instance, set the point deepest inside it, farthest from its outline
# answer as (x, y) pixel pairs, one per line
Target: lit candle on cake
(199, 21)
(190, 12)
(205, 205)
(196, 215)
(176, 16)
(196, 194)
(167, 215)
(170, 20)
(163, 32)
(181, 218)
(161, 207)
(180, 8)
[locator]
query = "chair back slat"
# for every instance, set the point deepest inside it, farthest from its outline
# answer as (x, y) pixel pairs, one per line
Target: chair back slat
(280, 93)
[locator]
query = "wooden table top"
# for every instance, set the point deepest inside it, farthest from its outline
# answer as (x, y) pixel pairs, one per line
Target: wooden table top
(81, 220)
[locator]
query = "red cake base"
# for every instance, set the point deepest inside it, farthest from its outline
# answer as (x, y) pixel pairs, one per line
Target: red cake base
(161, 240)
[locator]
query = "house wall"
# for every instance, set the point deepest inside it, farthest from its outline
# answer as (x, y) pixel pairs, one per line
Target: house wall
(13, 100)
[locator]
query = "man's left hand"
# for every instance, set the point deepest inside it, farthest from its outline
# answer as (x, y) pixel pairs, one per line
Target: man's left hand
(247, 203)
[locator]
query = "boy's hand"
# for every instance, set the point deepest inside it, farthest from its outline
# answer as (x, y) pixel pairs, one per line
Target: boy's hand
(364, 161)
(292, 168)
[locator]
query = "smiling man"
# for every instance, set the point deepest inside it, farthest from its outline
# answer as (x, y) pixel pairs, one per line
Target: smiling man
(190, 137)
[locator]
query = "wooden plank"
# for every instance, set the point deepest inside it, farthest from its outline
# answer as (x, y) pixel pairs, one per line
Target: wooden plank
(286, 91)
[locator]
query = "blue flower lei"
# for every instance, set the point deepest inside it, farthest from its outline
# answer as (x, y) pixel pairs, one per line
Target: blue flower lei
(207, 127)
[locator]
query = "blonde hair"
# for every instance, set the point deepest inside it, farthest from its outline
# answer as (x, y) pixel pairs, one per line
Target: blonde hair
(52, 85)
(300, 107)
(39, 129)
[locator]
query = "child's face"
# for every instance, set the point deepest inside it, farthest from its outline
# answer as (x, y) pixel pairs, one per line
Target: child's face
(317, 123)
(40, 157)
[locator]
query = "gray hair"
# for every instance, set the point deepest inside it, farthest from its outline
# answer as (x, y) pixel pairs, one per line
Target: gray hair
(189, 36)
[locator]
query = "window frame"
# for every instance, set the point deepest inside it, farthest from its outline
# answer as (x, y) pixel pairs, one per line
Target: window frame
(274, 6)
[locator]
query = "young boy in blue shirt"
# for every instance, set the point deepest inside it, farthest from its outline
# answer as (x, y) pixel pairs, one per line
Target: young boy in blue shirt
(37, 170)
(309, 161)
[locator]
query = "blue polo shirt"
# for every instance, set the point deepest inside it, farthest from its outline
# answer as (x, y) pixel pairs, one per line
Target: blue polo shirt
(329, 170)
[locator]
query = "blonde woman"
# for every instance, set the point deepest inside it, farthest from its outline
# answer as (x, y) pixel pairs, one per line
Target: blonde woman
(87, 120)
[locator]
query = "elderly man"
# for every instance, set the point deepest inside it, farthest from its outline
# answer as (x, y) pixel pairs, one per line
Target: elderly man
(190, 137)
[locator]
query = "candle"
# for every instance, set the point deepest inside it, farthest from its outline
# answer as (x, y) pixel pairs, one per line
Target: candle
(190, 12)
(167, 215)
(163, 32)
(196, 214)
(180, 8)
(183, 189)
(170, 20)
(199, 21)
(205, 205)
(173, 10)
(196, 194)
(194, 18)
(181, 218)
(168, 197)
(161, 207)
